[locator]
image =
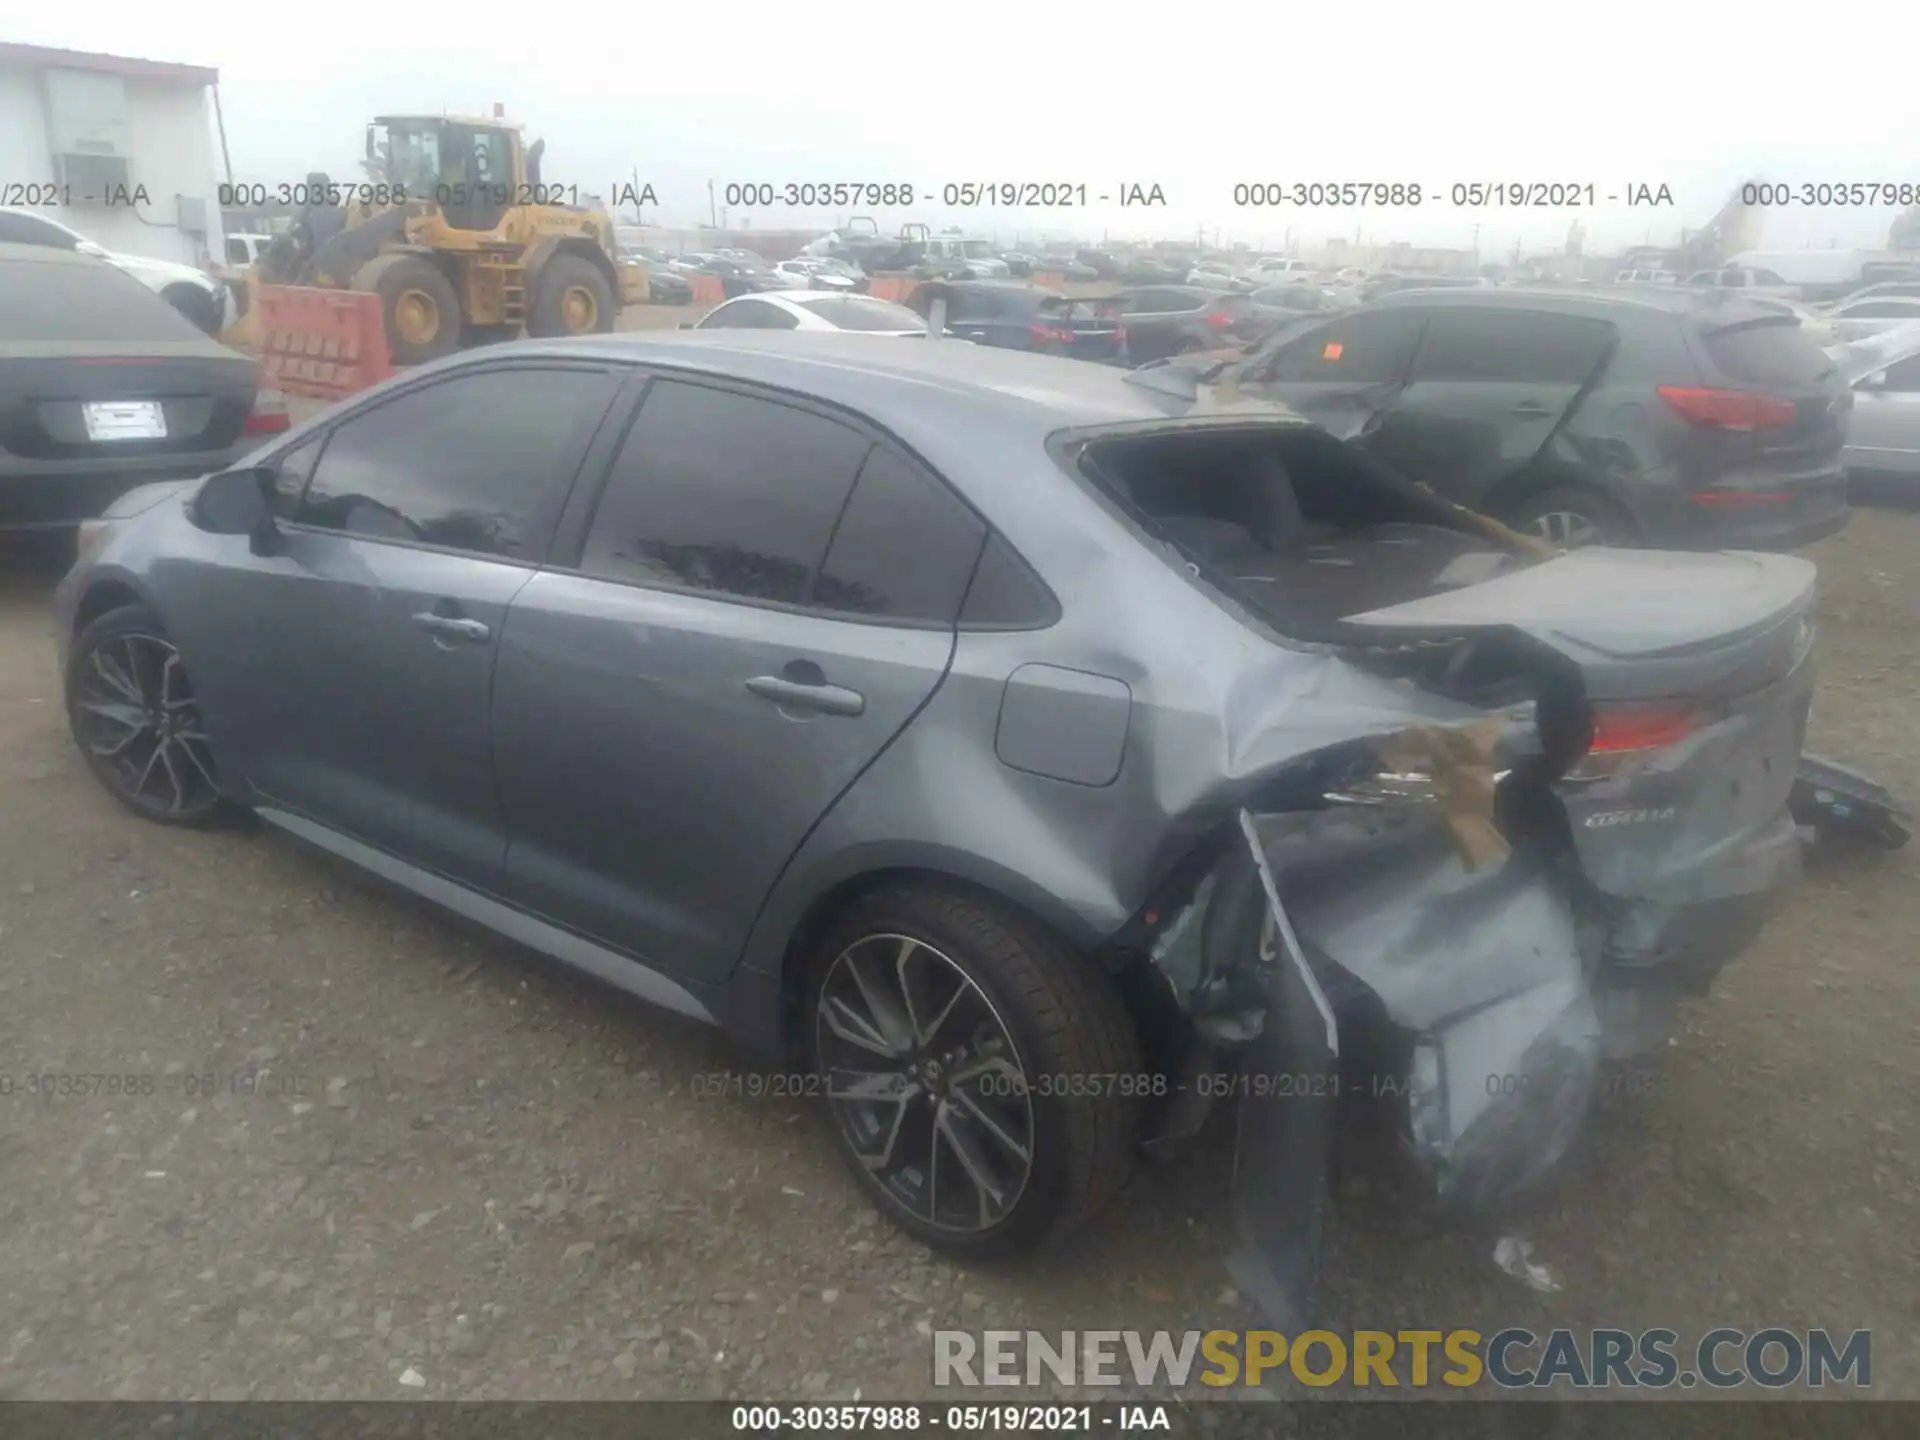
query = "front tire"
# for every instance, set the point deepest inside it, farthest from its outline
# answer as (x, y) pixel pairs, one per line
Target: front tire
(571, 297)
(133, 713)
(985, 1083)
(418, 307)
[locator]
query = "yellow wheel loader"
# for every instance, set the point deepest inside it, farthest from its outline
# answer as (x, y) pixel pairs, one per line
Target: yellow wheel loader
(460, 239)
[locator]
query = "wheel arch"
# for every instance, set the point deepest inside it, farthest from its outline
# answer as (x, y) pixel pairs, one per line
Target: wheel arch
(783, 942)
(546, 248)
(1547, 473)
(110, 591)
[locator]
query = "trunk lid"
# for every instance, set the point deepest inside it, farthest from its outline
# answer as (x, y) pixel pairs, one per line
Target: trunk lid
(1095, 331)
(1640, 624)
(87, 405)
(1697, 676)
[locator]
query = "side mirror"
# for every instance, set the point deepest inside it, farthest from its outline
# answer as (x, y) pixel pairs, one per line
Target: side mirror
(234, 502)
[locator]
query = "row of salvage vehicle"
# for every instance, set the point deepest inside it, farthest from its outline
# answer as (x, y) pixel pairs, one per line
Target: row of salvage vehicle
(1022, 745)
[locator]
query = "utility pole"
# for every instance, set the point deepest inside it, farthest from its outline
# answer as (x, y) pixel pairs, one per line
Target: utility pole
(713, 215)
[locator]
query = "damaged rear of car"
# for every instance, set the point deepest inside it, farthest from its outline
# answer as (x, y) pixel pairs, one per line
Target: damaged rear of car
(1455, 916)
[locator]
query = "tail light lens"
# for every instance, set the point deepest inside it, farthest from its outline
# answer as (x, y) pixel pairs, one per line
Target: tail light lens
(1624, 735)
(1219, 319)
(1044, 334)
(1729, 409)
(268, 417)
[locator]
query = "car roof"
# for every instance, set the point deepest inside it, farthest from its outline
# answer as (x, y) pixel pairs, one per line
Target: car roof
(941, 389)
(1725, 306)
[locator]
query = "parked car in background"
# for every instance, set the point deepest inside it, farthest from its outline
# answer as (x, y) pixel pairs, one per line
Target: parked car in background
(692, 262)
(813, 310)
(1282, 270)
(739, 277)
(1151, 270)
(1067, 267)
(1883, 430)
(200, 297)
(105, 386)
(932, 716)
(820, 274)
(1645, 277)
(745, 257)
(1273, 306)
(1905, 288)
(1102, 262)
(1013, 316)
(953, 254)
(1020, 263)
(1869, 314)
(668, 287)
(1748, 279)
(1218, 275)
(1664, 416)
(244, 248)
(1163, 320)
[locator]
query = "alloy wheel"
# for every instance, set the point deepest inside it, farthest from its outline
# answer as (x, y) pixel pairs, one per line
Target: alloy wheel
(924, 1082)
(137, 717)
(1567, 529)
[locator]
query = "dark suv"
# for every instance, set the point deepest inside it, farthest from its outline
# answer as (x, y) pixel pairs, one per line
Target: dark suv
(1669, 418)
(1016, 316)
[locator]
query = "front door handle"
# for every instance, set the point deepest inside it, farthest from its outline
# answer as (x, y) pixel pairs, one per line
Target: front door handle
(452, 627)
(1531, 410)
(800, 695)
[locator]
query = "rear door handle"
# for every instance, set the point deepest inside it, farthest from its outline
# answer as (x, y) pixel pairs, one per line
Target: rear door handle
(452, 627)
(827, 699)
(1532, 410)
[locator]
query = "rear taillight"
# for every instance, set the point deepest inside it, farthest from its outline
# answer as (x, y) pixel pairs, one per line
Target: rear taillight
(1624, 735)
(1729, 409)
(1050, 334)
(268, 417)
(1219, 319)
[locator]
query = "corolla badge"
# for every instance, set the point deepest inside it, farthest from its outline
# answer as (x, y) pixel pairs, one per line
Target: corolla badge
(1608, 818)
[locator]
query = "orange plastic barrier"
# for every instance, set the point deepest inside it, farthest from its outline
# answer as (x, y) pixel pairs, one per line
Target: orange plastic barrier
(892, 287)
(327, 343)
(708, 289)
(1048, 279)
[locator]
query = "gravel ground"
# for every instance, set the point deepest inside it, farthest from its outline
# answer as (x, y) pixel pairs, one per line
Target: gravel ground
(372, 1153)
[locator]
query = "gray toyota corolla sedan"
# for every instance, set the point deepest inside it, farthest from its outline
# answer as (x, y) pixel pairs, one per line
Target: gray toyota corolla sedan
(1042, 752)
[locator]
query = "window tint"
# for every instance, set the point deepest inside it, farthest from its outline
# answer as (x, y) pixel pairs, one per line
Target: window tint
(1367, 348)
(904, 549)
(1511, 346)
(862, 312)
(719, 491)
(236, 251)
(290, 475)
(465, 463)
(90, 301)
(965, 304)
(1768, 352)
(1006, 594)
(1767, 277)
(31, 230)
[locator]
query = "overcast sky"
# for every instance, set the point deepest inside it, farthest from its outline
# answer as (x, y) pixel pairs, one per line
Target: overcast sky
(1192, 98)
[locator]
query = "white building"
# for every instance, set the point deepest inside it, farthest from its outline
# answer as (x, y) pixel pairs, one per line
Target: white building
(125, 151)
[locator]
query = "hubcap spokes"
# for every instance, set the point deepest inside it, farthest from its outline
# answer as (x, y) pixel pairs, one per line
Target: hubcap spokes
(139, 720)
(1567, 530)
(924, 1082)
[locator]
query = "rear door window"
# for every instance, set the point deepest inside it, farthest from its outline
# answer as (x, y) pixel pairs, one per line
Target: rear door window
(1768, 352)
(1371, 348)
(1511, 347)
(723, 492)
(904, 548)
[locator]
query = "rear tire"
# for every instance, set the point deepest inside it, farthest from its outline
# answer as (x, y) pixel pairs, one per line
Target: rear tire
(571, 297)
(418, 307)
(1030, 1048)
(1570, 516)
